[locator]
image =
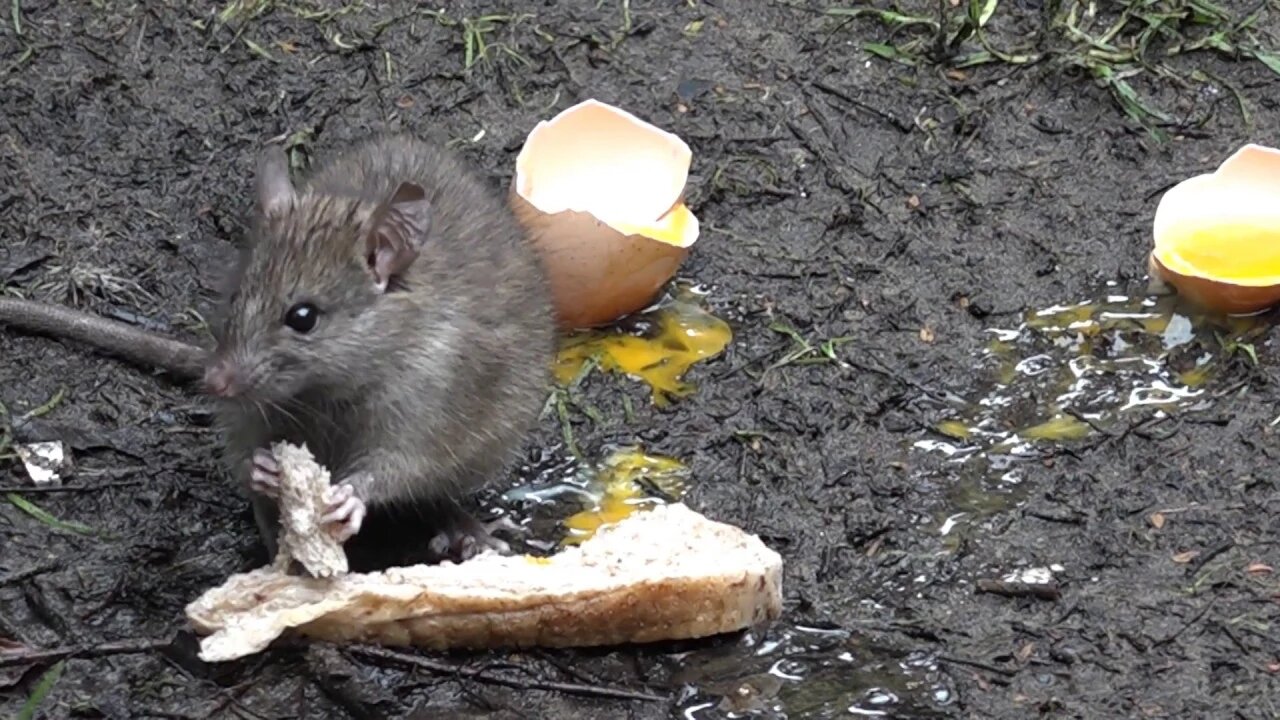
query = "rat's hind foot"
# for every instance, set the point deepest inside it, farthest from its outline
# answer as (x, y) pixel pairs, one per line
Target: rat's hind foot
(264, 473)
(463, 539)
(344, 512)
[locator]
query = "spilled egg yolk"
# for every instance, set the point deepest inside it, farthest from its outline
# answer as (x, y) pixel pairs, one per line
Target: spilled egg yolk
(955, 429)
(679, 333)
(1239, 253)
(1060, 427)
(621, 482)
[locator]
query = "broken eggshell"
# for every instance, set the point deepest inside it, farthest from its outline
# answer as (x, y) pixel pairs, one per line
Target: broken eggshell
(600, 193)
(44, 461)
(1217, 235)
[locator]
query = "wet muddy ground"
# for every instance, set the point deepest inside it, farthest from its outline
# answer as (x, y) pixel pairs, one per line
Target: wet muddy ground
(944, 375)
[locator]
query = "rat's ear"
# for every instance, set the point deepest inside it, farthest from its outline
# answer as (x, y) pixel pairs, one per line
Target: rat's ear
(274, 190)
(400, 227)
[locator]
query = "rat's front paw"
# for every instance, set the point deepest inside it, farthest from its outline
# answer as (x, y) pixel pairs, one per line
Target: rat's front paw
(264, 473)
(344, 512)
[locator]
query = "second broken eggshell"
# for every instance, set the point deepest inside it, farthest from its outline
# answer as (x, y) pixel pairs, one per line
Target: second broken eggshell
(1217, 235)
(600, 193)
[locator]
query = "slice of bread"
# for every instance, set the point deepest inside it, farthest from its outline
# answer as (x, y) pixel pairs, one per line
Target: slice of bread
(663, 574)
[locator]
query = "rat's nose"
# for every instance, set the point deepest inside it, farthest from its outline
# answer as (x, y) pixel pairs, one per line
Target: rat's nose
(222, 380)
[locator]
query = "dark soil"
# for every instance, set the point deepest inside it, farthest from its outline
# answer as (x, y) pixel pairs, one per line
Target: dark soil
(907, 209)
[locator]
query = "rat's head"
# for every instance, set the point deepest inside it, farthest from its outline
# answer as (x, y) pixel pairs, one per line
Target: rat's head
(304, 312)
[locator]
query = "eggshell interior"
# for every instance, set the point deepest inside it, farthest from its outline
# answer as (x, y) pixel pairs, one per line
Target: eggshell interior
(1225, 226)
(679, 227)
(597, 159)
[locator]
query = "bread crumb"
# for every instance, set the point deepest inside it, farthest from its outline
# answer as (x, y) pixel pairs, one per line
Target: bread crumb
(303, 483)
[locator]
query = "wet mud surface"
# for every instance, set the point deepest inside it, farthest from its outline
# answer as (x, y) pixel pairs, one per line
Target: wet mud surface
(990, 504)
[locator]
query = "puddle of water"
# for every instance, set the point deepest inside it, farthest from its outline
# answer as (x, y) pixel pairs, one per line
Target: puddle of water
(1079, 372)
(799, 672)
(656, 346)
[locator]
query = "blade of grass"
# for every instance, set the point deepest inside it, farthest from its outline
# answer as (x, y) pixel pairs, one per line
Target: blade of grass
(43, 686)
(828, 347)
(1207, 12)
(1202, 76)
(257, 49)
(973, 59)
(566, 429)
(888, 17)
(1271, 60)
(48, 406)
(889, 52)
(469, 44)
(45, 517)
(1128, 98)
(980, 11)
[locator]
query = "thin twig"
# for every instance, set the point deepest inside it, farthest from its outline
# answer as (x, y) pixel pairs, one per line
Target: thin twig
(897, 123)
(117, 647)
(443, 668)
(1207, 556)
(1009, 588)
(1197, 618)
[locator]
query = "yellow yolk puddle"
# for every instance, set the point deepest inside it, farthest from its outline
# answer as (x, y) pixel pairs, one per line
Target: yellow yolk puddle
(955, 428)
(1060, 427)
(1239, 253)
(621, 481)
(681, 332)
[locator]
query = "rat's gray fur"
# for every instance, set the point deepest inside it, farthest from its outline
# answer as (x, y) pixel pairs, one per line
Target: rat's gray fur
(420, 393)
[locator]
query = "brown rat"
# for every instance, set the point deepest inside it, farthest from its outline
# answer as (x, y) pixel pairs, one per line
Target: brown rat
(389, 314)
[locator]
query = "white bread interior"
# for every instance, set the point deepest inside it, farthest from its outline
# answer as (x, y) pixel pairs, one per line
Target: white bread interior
(303, 482)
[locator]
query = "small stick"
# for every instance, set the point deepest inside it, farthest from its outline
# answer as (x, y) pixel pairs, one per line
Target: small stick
(116, 647)
(1007, 588)
(442, 668)
(1208, 555)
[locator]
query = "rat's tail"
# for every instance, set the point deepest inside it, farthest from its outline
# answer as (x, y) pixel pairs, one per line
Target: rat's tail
(116, 338)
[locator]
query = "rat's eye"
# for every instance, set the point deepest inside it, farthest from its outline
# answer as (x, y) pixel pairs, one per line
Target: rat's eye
(302, 317)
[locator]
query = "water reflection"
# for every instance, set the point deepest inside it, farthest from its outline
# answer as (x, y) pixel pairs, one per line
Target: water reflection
(1078, 373)
(803, 672)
